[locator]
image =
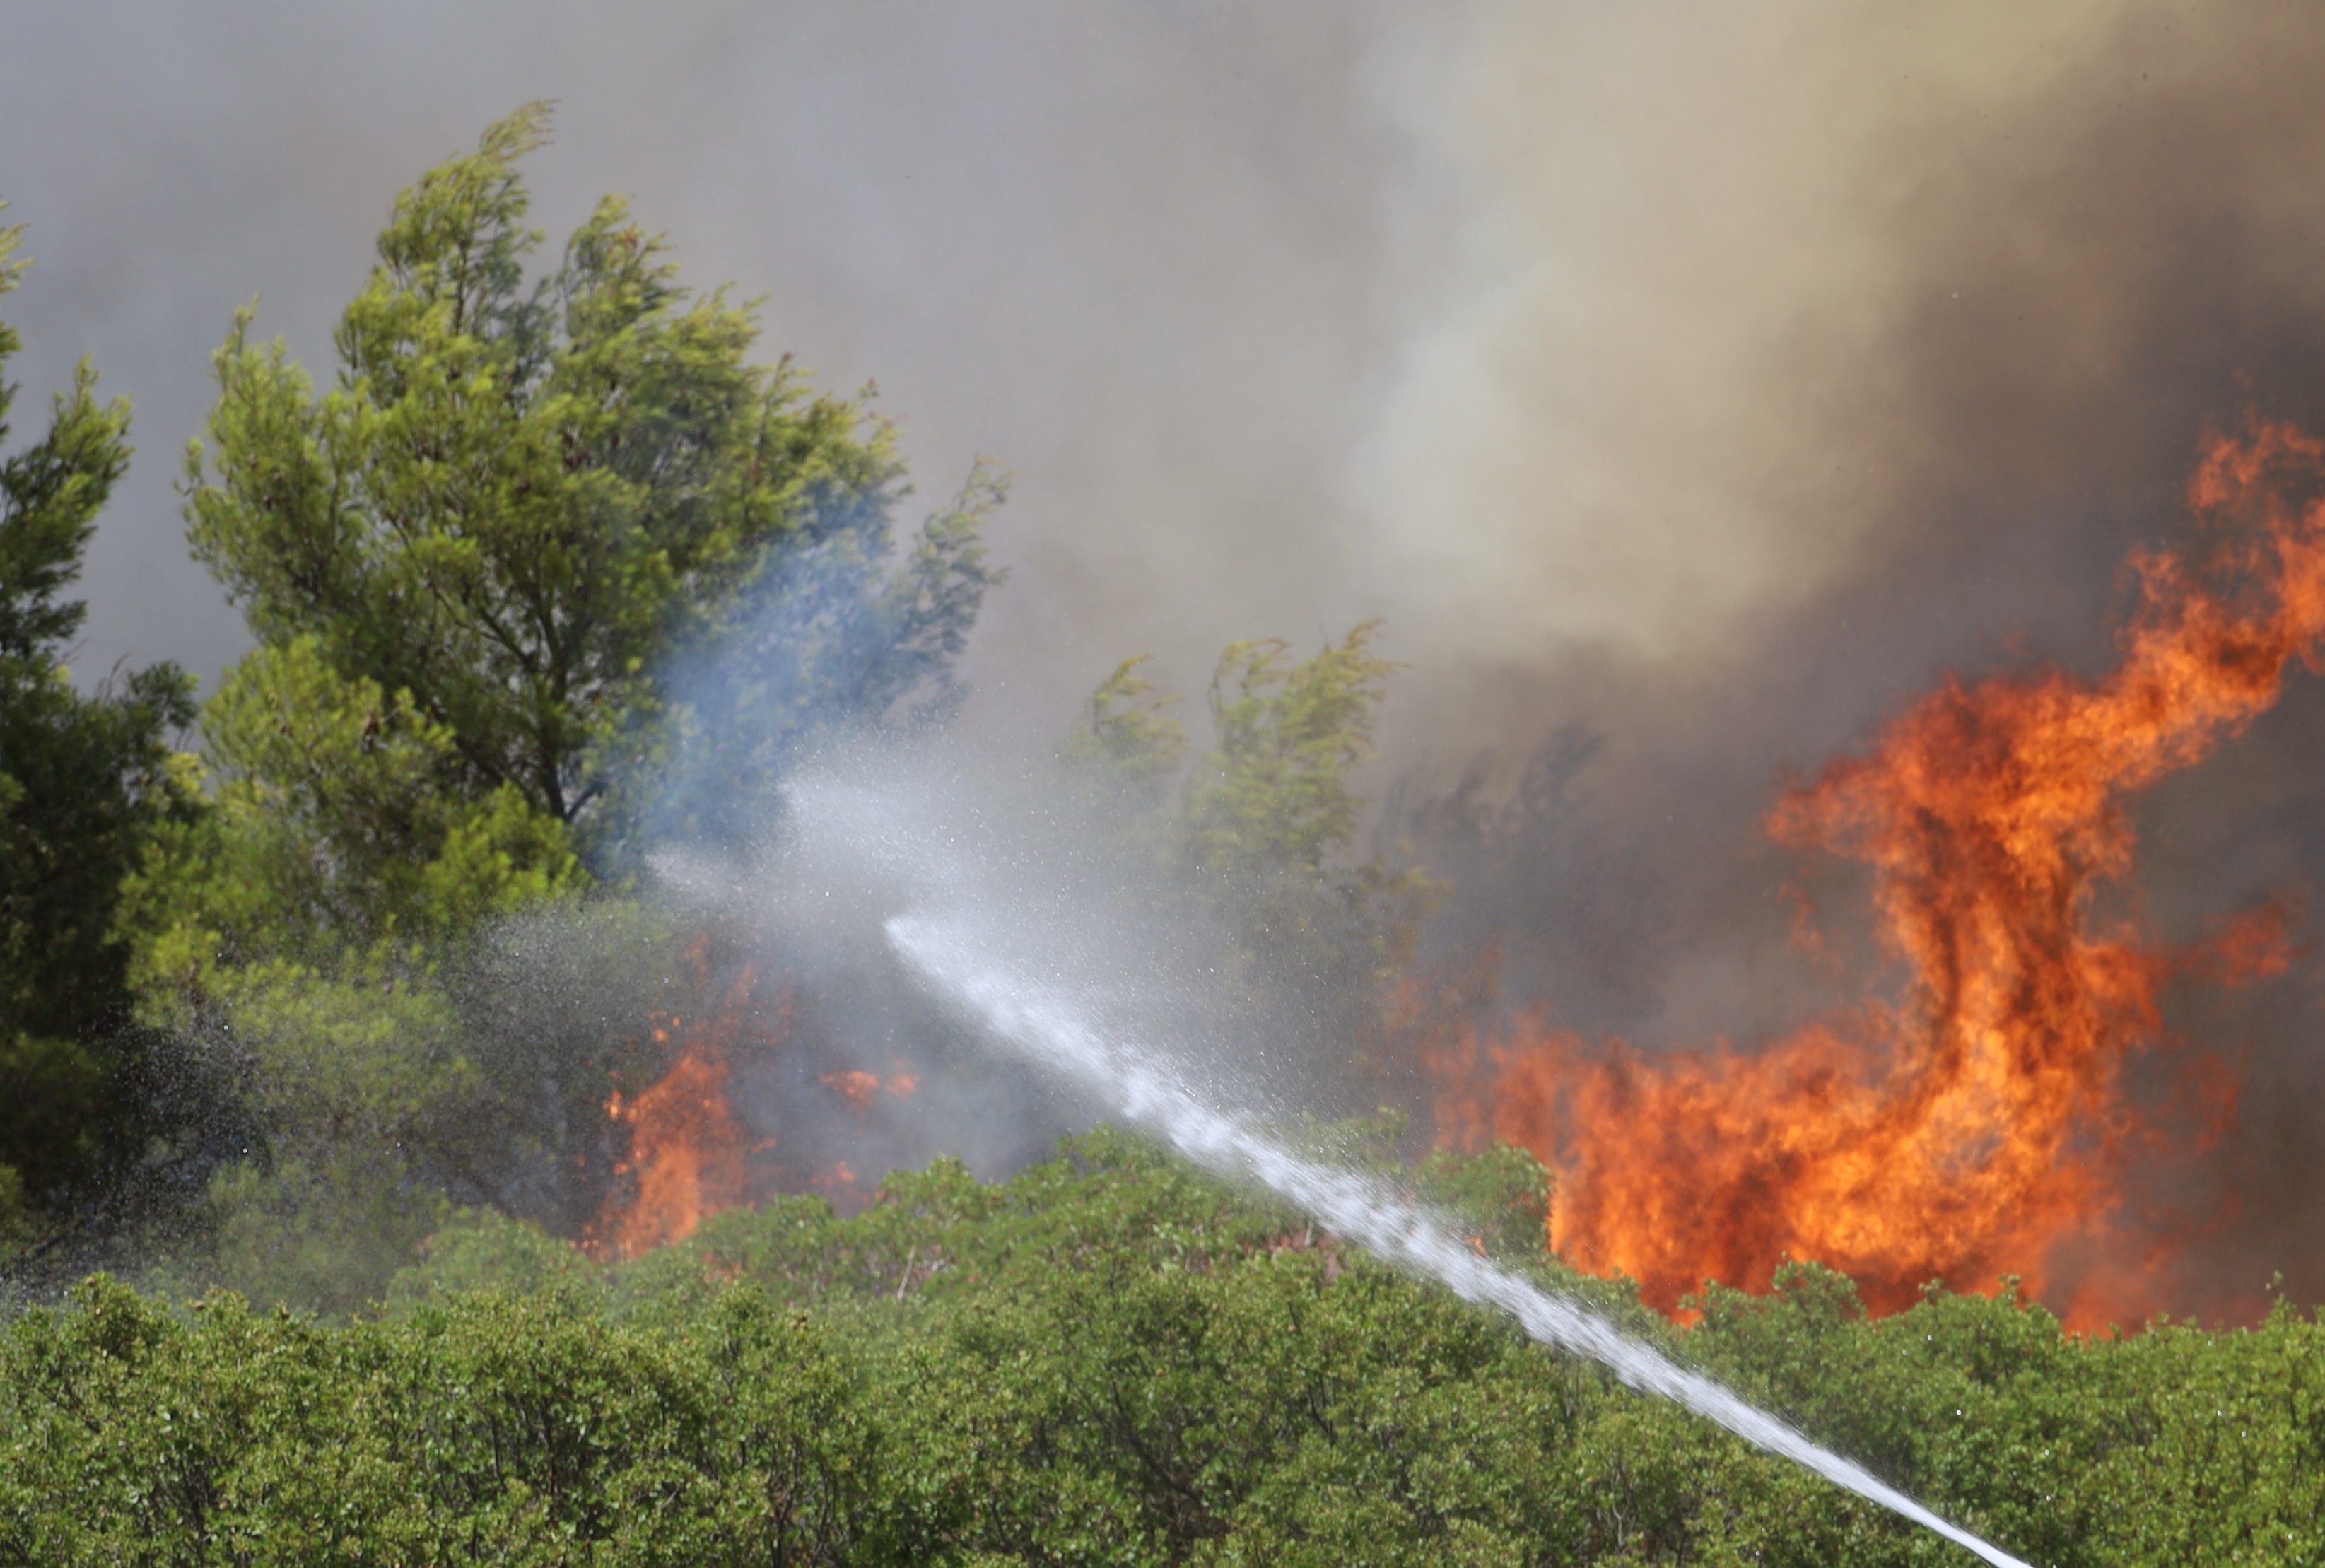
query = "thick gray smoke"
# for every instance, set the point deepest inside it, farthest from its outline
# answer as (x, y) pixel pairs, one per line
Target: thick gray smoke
(1589, 346)
(1687, 384)
(2030, 267)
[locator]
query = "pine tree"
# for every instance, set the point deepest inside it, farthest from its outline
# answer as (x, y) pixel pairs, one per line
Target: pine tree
(85, 781)
(544, 509)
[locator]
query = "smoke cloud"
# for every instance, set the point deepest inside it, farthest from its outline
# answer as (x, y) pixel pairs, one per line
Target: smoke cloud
(1549, 333)
(1687, 386)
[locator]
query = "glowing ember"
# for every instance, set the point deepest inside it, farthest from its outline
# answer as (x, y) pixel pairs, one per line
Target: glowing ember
(860, 1088)
(857, 1088)
(835, 1181)
(690, 1156)
(1976, 1124)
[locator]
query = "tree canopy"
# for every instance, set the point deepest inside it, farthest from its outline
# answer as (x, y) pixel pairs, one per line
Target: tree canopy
(1112, 1359)
(84, 784)
(534, 507)
(1263, 830)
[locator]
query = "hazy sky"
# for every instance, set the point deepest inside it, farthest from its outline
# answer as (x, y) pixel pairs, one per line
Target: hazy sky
(1537, 328)
(1141, 257)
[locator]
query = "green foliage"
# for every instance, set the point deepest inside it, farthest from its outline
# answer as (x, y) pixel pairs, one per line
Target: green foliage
(487, 1429)
(51, 492)
(548, 569)
(1502, 1190)
(318, 1230)
(1274, 798)
(369, 1054)
(330, 827)
(366, 1103)
(1125, 735)
(383, 1087)
(83, 787)
(519, 508)
(513, 497)
(485, 1249)
(1106, 1359)
(1266, 825)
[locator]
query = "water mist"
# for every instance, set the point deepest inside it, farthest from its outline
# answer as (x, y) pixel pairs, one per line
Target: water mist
(1009, 932)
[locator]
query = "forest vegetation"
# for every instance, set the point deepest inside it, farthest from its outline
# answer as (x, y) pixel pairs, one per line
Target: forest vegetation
(548, 573)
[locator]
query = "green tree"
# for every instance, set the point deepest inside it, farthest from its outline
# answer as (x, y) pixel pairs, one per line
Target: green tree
(83, 787)
(531, 506)
(1273, 797)
(1126, 736)
(331, 827)
(1264, 827)
(549, 570)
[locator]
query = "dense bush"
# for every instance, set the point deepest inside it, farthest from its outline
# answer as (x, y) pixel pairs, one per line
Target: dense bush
(1106, 1359)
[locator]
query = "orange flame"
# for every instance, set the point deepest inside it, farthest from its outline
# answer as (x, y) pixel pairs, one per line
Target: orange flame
(859, 1088)
(689, 1154)
(835, 1181)
(1978, 1124)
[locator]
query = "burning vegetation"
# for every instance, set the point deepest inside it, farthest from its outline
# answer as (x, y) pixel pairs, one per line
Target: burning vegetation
(689, 1152)
(1981, 1119)
(379, 797)
(550, 586)
(692, 1150)
(1979, 1123)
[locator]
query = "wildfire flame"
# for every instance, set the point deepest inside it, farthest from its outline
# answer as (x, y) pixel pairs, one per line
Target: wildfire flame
(1977, 1123)
(860, 1089)
(689, 1154)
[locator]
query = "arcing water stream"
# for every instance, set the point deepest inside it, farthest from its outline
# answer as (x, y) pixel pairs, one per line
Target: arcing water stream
(1042, 1022)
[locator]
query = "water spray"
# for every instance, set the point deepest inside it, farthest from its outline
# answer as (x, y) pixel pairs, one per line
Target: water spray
(1043, 1022)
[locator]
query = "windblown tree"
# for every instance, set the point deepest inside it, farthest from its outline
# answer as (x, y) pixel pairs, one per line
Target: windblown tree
(550, 568)
(84, 783)
(1264, 827)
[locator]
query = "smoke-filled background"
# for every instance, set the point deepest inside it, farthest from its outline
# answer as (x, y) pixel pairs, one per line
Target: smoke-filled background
(1686, 386)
